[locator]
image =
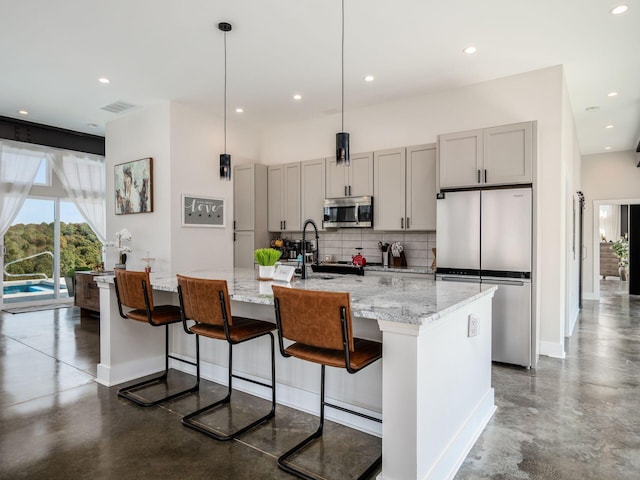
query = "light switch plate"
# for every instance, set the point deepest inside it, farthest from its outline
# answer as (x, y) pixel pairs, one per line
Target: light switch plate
(474, 320)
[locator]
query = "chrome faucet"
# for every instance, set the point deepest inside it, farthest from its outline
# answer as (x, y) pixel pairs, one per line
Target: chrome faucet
(304, 246)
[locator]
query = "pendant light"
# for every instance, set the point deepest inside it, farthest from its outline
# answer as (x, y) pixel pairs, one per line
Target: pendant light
(225, 158)
(342, 138)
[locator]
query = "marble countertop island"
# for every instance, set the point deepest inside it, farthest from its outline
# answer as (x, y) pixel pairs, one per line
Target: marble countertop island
(412, 300)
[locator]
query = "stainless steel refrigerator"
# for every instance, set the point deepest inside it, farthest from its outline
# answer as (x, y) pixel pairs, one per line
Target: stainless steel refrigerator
(485, 236)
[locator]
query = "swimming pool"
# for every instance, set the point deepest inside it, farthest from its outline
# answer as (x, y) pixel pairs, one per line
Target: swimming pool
(28, 290)
(11, 289)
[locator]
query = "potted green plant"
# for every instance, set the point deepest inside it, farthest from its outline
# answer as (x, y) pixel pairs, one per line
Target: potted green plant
(69, 274)
(266, 259)
(621, 250)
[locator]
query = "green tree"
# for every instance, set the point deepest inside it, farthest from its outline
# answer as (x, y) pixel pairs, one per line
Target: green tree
(79, 248)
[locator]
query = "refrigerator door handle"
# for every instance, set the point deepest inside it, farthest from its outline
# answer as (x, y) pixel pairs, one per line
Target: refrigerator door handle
(516, 283)
(460, 279)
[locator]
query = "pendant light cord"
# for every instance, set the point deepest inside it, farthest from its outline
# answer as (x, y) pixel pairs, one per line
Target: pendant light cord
(225, 92)
(343, 65)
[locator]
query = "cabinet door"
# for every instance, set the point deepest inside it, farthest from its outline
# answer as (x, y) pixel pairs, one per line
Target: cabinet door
(336, 179)
(291, 197)
(275, 197)
(389, 190)
(460, 159)
(508, 153)
(421, 188)
(313, 190)
(243, 248)
(360, 180)
(243, 197)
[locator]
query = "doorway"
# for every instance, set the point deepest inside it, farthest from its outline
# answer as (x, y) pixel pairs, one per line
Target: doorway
(610, 223)
(46, 243)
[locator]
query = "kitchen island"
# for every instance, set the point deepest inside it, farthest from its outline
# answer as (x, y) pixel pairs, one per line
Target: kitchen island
(432, 388)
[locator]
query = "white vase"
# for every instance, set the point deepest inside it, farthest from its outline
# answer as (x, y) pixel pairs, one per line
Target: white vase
(266, 272)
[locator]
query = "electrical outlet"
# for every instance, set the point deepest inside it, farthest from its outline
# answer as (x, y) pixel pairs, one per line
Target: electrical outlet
(473, 325)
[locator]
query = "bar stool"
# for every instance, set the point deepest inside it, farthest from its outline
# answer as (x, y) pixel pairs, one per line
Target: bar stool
(207, 302)
(320, 325)
(133, 290)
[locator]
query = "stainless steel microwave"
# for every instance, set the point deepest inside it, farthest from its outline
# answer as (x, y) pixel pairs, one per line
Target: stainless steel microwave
(350, 212)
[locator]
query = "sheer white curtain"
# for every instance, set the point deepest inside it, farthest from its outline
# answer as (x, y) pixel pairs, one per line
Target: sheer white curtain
(83, 177)
(609, 223)
(18, 169)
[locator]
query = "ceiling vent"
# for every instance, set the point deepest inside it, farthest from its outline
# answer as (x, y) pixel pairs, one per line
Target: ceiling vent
(118, 107)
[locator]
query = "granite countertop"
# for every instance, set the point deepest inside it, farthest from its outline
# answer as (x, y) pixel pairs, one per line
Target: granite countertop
(393, 298)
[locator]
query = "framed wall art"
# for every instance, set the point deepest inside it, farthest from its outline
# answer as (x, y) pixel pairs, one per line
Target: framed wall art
(199, 211)
(134, 186)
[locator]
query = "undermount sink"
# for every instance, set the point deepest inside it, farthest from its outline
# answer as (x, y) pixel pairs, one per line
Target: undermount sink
(337, 268)
(326, 277)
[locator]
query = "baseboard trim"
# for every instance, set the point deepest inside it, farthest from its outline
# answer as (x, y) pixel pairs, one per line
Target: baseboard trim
(286, 395)
(555, 350)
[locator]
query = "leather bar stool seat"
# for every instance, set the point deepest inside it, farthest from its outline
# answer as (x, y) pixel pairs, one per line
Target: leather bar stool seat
(133, 291)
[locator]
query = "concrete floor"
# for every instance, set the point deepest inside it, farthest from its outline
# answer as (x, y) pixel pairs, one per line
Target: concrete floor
(568, 419)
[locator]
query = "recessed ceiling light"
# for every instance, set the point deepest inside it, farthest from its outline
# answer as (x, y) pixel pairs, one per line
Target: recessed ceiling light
(470, 49)
(104, 80)
(369, 78)
(620, 9)
(607, 148)
(297, 96)
(23, 112)
(92, 126)
(592, 109)
(239, 110)
(612, 94)
(609, 126)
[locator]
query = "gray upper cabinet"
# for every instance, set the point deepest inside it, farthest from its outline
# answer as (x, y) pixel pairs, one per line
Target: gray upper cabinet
(405, 188)
(249, 197)
(491, 156)
(313, 190)
(284, 197)
(249, 212)
(460, 158)
(421, 187)
(389, 189)
(508, 153)
(356, 180)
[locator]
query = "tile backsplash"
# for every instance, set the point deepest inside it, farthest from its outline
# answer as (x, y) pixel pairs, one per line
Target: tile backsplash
(341, 244)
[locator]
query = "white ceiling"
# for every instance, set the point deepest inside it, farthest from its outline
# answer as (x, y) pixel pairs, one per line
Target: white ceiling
(158, 50)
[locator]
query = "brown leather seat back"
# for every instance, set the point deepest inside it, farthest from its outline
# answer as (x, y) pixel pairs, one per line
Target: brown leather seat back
(201, 299)
(130, 289)
(313, 318)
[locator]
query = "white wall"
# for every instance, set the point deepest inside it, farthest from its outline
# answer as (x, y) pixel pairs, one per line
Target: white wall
(185, 144)
(606, 178)
(571, 160)
(197, 140)
(535, 95)
(142, 134)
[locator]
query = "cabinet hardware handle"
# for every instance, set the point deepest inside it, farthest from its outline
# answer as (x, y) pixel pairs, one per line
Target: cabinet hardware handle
(234, 236)
(407, 223)
(401, 222)
(349, 190)
(234, 224)
(345, 190)
(478, 176)
(485, 175)
(285, 224)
